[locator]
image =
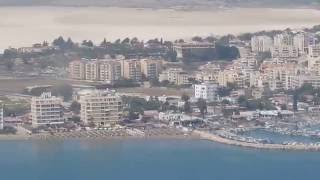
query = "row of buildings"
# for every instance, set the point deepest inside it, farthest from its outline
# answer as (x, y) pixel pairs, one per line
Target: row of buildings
(99, 108)
(110, 70)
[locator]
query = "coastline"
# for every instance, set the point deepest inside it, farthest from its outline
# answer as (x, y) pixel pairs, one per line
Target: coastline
(218, 139)
(195, 135)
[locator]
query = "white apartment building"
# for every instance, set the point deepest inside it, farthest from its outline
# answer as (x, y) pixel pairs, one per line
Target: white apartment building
(261, 44)
(77, 70)
(150, 68)
(102, 108)
(314, 51)
(281, 76)
(175, 75)
(46, 110)
(205, 91)
(314, 80)
(302, 41)
(1, 117)
(109, 71)
(288, 52)
(92, 70)
(284, 39)
(131, 69)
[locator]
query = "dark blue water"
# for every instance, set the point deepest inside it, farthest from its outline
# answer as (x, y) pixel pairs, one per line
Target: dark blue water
(150, 160)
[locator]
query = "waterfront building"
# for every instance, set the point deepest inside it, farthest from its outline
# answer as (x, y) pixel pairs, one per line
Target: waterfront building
(261, 44)
(184, 49)
(92, 70)
(150, 68)
(101, 108)
(109, 71)
(206, 91)
(77, 70)
(46, 110)
(131, 69)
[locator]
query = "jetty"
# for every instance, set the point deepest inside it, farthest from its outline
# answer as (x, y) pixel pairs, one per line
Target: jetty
(219, 139)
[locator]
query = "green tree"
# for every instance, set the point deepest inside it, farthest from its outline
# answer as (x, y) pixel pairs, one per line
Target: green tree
(75, 107)
(202, 105)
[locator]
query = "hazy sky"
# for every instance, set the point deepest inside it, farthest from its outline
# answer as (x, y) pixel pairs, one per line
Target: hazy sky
(156, 3)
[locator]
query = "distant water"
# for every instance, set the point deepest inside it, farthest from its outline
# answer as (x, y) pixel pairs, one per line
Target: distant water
(150, 160)
(23, 26)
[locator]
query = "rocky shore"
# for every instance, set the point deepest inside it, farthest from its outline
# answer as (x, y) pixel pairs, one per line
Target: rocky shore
(218, 139)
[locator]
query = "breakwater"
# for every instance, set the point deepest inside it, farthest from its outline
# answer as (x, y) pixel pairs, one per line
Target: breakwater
(219, 139)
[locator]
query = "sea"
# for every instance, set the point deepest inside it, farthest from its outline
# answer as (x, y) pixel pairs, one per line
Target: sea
(150, 159)
(26, 25)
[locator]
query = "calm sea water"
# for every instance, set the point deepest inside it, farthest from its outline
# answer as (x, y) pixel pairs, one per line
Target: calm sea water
(150, 160)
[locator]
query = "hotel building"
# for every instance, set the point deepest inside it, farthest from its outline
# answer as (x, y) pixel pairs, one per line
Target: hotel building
(46, 110)
(101, 108)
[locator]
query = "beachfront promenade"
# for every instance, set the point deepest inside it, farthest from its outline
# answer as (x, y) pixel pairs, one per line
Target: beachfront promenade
(218, 139)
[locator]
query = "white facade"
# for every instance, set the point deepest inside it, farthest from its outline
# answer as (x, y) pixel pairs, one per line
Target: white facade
(46, 110)
(284, 39)
(285, 52)
(314, 51)
(205, 91)
(261, 43)
(100, 107)
(1, 117)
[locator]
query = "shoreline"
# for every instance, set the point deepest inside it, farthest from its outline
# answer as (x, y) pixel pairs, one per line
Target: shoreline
(195, 135)
(221, 140)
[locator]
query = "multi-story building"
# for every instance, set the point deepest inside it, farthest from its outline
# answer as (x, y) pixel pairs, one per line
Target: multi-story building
(284, 39)
(184, 49)
(102, 108)
(281, 76)
(150, 68)
(175, 75)
(1, 116)
(109, 71)
(302, 41)
(226, 76)
(205, 91)
(287, 52)
(131, 69)
(92, 70)
(314, 80)
(77, 70)
(46, 110)
(261, 44)
(314, 51)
